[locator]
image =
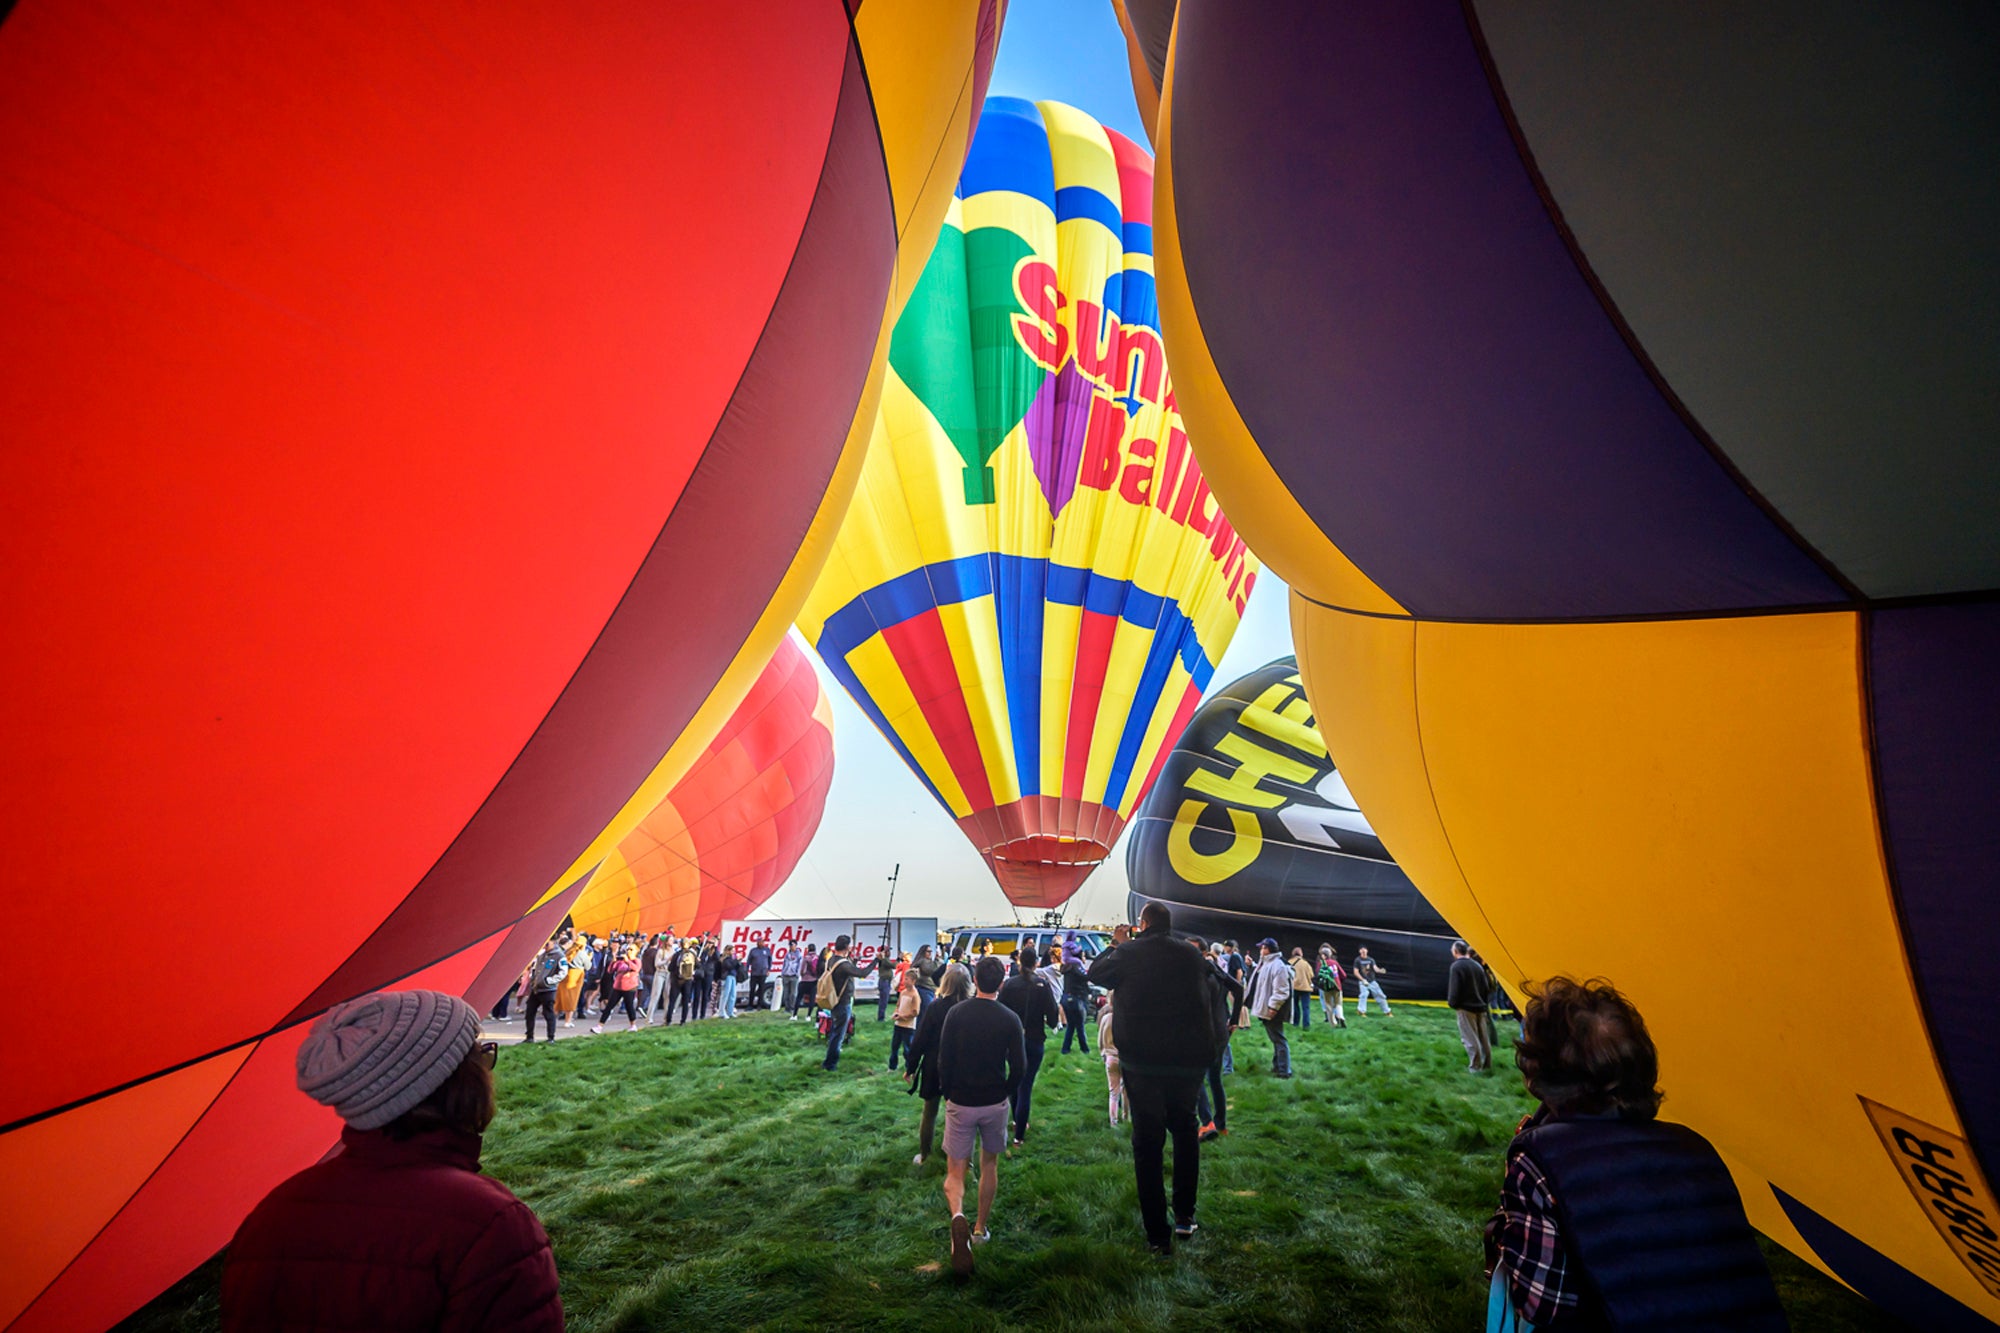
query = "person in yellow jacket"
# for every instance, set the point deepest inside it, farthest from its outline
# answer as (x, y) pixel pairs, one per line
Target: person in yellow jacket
(570, 993)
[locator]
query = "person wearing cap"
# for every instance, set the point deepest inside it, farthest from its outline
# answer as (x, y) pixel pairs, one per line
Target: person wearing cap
(1271, 1000)
(397, 1230)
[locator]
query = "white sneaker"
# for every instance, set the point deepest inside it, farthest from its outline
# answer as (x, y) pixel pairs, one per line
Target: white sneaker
(597, 1027)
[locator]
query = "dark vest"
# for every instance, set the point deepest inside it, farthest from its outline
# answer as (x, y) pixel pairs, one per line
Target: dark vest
(1653, 1226)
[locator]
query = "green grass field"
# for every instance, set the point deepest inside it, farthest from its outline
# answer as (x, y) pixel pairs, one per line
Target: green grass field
(713, 1177)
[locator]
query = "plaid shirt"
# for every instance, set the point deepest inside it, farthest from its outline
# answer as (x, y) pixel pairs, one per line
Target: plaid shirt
(1523, 1239)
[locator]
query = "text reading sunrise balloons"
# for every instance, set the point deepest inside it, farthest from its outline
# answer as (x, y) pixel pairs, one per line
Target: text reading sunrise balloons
(1251, 831)
(420, 429)
(731, 830)
(1034, 582)
(1614, 385)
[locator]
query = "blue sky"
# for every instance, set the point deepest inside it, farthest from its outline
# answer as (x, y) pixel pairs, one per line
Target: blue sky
(878, 814)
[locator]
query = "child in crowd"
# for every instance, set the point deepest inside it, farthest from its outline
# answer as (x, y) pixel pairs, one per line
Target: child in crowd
(1112, 1074)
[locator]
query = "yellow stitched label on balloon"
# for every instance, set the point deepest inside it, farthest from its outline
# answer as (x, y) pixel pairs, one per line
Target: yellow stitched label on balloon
(1944, 1178)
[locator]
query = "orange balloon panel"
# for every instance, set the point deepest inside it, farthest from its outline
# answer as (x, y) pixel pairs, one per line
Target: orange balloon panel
(409, 422)
(727, 836)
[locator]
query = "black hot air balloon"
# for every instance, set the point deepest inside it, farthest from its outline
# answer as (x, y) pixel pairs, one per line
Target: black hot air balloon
(1250, 832)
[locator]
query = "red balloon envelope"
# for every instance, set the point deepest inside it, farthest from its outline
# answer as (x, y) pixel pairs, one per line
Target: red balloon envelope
(731, 831)
(414, 424)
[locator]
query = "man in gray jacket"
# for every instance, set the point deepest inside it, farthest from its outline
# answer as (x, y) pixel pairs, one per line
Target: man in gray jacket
(1271, 1000)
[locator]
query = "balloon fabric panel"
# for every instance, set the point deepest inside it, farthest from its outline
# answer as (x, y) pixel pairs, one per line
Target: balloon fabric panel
(731, 831)
(300, 309)
(1035, 581)
(1552, 377)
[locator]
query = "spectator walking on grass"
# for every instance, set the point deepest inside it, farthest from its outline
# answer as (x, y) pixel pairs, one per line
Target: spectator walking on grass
(1075, 1001)
(1211, 1105)
(809, 969)
(1270, 999)
(1331, 979)
(1302, 990)
(981, 1059)
(545, 974)
(908, 1006)
(1368, 976)
(398, 1230)
(1610, 1217)
(1114, 1072)
(1163, 1025)
(623, 978)
(926, 969)
(1027, 993)
(920, 1070)
(1465, 993)
(837, 978)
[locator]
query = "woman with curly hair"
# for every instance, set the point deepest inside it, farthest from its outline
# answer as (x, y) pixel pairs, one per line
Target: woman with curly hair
(1610, 1217)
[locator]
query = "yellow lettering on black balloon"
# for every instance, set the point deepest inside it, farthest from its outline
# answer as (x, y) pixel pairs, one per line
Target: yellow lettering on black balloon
(1288, 723)
(1212, 868)
(1942, 1175)
(1254, 764)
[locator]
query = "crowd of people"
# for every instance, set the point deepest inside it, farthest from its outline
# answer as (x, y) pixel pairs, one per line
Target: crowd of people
(656, 979)
(1591, 1173)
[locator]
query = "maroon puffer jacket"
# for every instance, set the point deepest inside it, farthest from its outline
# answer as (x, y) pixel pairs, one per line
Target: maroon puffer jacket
(388, 1237)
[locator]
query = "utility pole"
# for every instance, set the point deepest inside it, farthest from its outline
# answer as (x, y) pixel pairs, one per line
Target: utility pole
(889, 913)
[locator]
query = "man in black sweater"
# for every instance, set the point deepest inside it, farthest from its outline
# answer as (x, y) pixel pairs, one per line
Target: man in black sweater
(1033, 1001)
(980, 1060)
(1465, 992)
(1162, 1022)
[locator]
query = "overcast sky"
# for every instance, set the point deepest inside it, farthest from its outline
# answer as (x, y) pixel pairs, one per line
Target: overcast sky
(878, 814)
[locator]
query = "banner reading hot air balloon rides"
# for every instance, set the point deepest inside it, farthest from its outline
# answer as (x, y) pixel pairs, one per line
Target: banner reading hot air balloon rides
(1034, 583)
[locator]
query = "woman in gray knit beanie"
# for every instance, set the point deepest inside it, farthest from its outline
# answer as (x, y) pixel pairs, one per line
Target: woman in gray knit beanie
(397, 1229)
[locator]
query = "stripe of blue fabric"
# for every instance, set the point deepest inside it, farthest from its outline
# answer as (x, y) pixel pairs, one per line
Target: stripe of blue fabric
(1138, 299)
(1018, 593)
(1138, 238)
(1080, 201)
(1010, 151)
(1160, 655)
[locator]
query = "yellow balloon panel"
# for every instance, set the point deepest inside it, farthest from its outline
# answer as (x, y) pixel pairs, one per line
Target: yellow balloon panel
(1593, 798)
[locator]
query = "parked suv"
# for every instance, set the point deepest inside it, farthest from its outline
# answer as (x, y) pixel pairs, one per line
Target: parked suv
(1006, 939)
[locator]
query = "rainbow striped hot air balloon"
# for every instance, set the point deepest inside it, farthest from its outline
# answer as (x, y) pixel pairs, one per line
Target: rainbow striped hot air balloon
(1034, 583)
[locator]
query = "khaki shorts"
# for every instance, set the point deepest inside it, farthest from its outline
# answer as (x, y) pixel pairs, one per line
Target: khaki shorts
(963, 1124)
